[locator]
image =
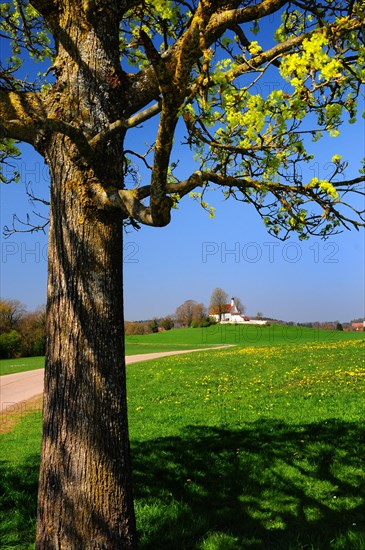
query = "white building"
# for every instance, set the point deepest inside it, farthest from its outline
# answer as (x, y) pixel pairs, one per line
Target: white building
(228, 313)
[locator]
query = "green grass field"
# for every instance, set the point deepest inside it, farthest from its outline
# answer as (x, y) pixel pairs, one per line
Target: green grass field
(260, 446)
(189, 338)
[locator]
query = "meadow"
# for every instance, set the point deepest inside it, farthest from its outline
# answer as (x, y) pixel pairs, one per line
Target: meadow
(190, 338)
(258, 446)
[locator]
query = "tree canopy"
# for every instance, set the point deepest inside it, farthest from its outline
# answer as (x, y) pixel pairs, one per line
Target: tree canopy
(199, 62)
(218, 302)
(184, 313)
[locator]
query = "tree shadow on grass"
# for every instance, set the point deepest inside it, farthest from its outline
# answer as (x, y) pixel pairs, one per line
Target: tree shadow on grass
(18, 503)
(269, 486)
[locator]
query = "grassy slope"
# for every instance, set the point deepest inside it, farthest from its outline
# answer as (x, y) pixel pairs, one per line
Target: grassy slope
(251, 448)
(189, 338)
(11, 366)
(239, 334)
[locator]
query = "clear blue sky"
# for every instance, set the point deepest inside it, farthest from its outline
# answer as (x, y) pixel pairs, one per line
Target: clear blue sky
(313, 280)
(291, 280)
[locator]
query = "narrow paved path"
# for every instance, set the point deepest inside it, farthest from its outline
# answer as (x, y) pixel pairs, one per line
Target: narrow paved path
(16, 389)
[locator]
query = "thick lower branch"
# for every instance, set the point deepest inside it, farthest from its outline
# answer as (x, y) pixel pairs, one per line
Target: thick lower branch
(130, 205)
(163, 147)
(292, 197)
(23, 115)
(181, 188)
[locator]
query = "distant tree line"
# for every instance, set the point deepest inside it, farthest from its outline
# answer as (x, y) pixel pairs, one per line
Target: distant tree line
(22, 332)
(148, 327)
(189, 314)
(326, 325)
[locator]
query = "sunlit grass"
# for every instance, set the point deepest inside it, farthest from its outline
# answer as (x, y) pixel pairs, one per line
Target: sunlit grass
(239, 385)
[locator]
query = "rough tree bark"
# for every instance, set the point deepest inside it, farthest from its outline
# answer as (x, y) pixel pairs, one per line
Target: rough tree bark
(85, 482)
(85, 497)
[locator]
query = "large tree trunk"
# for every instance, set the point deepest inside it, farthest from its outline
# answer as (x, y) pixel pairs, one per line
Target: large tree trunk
(85, 497)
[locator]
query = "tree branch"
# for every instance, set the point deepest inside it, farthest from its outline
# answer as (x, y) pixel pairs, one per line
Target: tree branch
(144, 115)
(123, 125)
(284, 47)
(23, 115)
(20, 113)
(203, 29)
(219, 22)
(171, 101)
(45, 7)
(130, 206)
